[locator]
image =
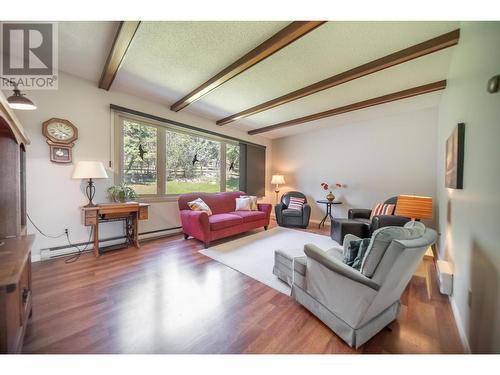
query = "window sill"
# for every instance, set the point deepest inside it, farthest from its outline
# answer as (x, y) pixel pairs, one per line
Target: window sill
(159, 199)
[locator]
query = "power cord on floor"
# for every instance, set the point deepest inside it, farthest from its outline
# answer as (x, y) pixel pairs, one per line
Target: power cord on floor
(75, 257)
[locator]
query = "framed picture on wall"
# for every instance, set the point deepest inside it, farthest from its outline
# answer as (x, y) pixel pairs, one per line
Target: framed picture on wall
(455, 158)
(60, 154)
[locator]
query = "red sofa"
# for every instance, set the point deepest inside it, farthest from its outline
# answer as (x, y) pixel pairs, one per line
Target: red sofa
(225, 221)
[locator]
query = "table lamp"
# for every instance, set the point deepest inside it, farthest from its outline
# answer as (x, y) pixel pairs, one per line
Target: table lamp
(414, 207)
(277, 180)
(89, 170)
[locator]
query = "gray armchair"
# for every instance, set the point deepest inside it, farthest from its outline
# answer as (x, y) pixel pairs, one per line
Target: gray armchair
(356, 305)
(292, 218)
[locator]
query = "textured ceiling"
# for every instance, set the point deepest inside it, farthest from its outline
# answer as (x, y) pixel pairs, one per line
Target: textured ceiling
(84, 47)
(167, 60)
(179, 56)
(331, 49)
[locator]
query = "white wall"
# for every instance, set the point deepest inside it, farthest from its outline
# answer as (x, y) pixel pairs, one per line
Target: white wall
(375, 159)
(53, 197)
(469, 218)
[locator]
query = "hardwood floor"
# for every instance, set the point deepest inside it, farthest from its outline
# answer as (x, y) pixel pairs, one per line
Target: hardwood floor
(168, 298)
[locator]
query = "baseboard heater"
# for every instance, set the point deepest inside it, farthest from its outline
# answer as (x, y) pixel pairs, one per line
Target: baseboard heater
(65, 250)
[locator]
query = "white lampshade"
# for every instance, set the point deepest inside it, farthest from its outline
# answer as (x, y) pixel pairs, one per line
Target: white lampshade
(89, 169)
(278, 179)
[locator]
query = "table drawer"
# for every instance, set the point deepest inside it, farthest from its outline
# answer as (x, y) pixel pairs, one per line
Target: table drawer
(90, 221)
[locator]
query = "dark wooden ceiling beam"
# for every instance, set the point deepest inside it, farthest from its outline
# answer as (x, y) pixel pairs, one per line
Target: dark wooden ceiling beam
(414, 91)
(281, 39)
(123, 38)
(407, 54)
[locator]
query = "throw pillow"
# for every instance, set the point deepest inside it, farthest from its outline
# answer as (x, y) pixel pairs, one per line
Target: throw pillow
(199, 205)
(356, 252)
(382, 238)
(296, 203)
(243, 204)
(253, 202)
(382, 209)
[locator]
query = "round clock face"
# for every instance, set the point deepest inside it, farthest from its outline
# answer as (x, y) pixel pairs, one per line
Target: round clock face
(60, 131)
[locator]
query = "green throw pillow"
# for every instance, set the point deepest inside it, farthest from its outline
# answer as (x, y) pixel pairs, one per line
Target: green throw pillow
(356, 252)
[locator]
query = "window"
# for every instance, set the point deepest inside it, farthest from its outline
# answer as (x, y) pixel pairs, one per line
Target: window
(139, 157)
(193, 163)
(232, 167)
(161, 160)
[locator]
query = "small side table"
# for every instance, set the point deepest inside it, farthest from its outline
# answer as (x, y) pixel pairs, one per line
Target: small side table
(131, 212)
(328, 210)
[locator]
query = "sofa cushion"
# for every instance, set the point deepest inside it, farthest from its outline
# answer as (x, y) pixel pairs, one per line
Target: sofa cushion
(355, 252)
(199, 205)
(253, 202)
(221, 221)
(296, 203)
(289, 212)
(249, 216)
(380, 241)
(382, 209)
(243, 204)
(219, 203)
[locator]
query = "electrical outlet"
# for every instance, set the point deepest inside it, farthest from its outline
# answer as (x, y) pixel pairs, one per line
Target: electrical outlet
(66, 231)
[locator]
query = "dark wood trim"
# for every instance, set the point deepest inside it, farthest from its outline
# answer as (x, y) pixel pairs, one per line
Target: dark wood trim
(117, 108)
(414, 91)
(124, 36)
(281, 39)
(432, 45)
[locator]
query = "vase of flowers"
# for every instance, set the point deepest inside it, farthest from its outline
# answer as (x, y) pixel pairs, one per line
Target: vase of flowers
(330, 197)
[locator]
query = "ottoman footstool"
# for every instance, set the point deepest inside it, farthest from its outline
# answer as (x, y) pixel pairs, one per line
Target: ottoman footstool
(283, 263)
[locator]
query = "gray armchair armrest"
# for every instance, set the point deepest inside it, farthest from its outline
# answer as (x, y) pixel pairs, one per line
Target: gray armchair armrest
(306, 214)
(300, 264)
(312, 251)
(381, 221)
(278, 209)
(359, 213)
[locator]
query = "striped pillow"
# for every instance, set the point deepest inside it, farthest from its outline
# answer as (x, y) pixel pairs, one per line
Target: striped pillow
(296, 203)
(382, 209)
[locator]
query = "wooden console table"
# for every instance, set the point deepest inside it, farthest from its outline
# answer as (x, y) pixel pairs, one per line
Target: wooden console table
(131, 212)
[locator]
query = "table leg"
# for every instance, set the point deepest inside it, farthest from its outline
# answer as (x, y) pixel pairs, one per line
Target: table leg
(96, 239)
(329, 209)
(328, 215)
(322, 222)
(135, 224)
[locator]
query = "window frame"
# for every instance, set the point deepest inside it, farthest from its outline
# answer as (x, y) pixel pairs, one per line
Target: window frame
(161, 165)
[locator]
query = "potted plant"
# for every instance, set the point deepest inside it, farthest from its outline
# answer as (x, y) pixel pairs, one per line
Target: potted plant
(328, 188)
(121, 193)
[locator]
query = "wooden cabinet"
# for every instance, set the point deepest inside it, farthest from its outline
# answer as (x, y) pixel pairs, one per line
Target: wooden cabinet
(15, 246)
(15, 292)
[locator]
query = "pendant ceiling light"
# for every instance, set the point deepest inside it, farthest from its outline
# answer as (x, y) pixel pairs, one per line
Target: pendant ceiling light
(19, 100)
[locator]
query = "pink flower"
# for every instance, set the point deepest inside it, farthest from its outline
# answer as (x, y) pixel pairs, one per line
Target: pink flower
(325, 186)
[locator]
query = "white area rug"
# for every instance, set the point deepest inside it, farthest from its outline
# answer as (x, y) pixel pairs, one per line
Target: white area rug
(254, 255)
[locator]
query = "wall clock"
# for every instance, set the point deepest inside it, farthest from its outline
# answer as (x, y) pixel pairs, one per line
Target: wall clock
(61, 136)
